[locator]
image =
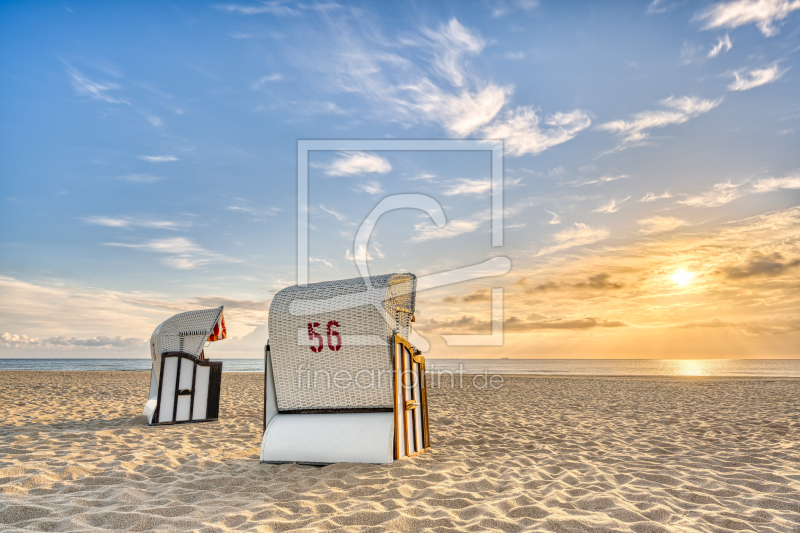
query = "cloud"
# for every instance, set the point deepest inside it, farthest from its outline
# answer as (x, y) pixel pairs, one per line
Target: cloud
(657, 224)
(517, 325)
(522, 134)
(184, 254)
(279, 8)
(263, 80)
(338, 216)
(724, 44)
(651, 197)
(362, 253)
(9, 340)
(369, 187)
(158, 158)
(773, 184)
(579, 235)
(635, 131)
(720, 194)
(320, 260)
(752, 328)
(555, 220)
(657, 7)
(111, 222)
(461, 113)
(611, 207)
(155, 121)
(481, 295)
(762, 13)
(258, 213)
(468, 186)
(85, 87)
(761, 265)
(599, 281)
(426, 231)
(755, 78)
(604, 179)
(451, 42)
(355, 163)
(140, 178)
(504, 7)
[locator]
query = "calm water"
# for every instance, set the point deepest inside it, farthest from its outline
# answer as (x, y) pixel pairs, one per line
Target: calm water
(546, 367)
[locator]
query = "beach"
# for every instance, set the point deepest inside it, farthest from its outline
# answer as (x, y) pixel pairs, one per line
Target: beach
(563, 454)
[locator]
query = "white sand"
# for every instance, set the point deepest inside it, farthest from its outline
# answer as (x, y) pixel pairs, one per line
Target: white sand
(540, 454)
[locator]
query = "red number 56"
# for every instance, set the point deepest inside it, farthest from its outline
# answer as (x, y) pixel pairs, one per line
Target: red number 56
(330, 333)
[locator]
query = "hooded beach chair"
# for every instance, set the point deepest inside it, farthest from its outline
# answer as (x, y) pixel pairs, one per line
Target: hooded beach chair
(184, 386)
(342, 382)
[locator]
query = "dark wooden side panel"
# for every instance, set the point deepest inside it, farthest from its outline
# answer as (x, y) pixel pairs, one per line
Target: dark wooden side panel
(214, 386)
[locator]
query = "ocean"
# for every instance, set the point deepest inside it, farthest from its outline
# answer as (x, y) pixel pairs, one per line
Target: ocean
(543, 367)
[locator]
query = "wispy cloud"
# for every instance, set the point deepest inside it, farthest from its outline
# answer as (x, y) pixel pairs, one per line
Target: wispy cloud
(459, 113)
(280, 8)
(522, 134)
(658, 224)
(744, 81)
(579, 235)
(518, 325)
(773, 184)
(635, 131)
(369, 187)
(338, 216)
(427, 231)
(604, 179)
(183, 253)
(443, 89)
(720, 194)
(651, 197)
(658, 7)
(111, 222)
(555, 220)
(355, 163)
(501, 8)
(763, 13)
(724, 44)
(261, 213)
(263, 80)
(468, 186)
(97, 91)
(320, 260)
(158, 158)
(451, 43)
(612, 206)
(158, 122)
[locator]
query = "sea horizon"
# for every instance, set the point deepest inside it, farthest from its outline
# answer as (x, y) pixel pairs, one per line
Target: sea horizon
(772, 368)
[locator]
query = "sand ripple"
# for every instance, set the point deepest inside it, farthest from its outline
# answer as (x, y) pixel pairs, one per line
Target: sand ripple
(541, 454)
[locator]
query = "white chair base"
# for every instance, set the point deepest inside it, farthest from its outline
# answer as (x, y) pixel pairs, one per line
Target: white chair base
(377, 437)
(329, 438)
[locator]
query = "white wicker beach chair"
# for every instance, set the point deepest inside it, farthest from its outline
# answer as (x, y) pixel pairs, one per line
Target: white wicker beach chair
(184, 387)
(341, 382)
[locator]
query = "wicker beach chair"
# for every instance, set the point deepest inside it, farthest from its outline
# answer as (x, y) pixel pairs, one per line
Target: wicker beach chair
(184, 386)
(342, 382)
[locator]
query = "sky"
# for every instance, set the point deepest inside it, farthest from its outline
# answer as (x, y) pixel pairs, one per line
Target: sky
(651, 169)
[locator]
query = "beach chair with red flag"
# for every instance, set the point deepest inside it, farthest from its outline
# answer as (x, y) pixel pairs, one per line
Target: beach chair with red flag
(184, 386)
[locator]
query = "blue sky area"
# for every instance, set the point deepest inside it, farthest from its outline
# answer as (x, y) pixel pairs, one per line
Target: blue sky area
(148, 162)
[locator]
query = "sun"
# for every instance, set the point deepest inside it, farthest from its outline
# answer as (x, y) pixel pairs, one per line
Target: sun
(681, 277)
